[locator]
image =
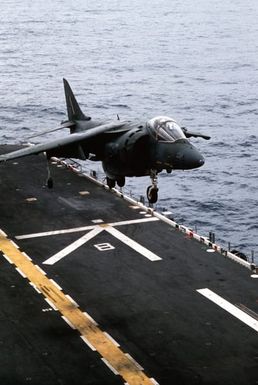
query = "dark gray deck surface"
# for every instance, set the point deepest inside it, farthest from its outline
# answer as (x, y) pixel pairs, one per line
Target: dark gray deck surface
(151, 308)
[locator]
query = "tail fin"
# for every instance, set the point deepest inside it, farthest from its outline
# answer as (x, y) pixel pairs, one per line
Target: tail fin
(73, 109)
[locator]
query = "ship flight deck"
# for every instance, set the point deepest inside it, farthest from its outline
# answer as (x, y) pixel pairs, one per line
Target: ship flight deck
(97, 289)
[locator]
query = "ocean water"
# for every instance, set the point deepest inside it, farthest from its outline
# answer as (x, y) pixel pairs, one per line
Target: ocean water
(196, 61)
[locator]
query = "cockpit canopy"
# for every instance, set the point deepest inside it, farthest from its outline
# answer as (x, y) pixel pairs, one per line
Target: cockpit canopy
(164, 128)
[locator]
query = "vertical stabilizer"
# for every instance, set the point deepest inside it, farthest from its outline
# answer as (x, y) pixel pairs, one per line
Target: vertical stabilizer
(73, 109)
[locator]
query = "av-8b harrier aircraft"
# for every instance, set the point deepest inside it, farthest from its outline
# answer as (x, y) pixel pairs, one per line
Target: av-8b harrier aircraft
(125, 149)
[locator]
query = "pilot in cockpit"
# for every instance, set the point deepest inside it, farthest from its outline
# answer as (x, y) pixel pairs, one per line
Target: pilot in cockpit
(163, 128)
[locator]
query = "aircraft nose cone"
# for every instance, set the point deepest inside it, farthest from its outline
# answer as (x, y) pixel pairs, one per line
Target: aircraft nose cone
(201, 161)
(193, 158)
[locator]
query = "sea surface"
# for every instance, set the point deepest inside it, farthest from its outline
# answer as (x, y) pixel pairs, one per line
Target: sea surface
(196, 61)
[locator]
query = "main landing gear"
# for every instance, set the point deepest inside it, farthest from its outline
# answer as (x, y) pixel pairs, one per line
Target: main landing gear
(112, 182)
(152, 191)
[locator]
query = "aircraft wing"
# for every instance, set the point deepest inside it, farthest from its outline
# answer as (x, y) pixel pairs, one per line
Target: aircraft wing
(190, 134)
(67, 124)
(68, 140)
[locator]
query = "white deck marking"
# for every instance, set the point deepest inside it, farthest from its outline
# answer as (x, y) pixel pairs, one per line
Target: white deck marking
(68, 322)
(83, 193)
(14, 244)
(72, 300)
(135, 362)
(95, 230)
(104, 246)
(96, 221)
(26, 255)
(90, 318)
(75, 245)
(110, 366)
(3, 233)
(134, 221)
(35, 287)
(56, 284)
(55, 232)
(154, 381)
(233, 310)
(20, 272)
(112, 339)
(8, 259)
(84, 228)
(88, 343)
(134, 245)
(51, 304)
(31, 199)
(42, 271)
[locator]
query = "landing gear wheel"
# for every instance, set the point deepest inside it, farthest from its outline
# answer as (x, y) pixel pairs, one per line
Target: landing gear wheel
(121, 181)
(152, 194)
(152, 191)
(111, 183)
(50, 183)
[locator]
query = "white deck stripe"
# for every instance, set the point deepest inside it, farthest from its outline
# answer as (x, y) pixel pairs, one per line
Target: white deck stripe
(84, 228)
(35, 287)
(111, 339)
(135, 362)
(110, 366)
(68, 322)
(134, 221)
(55, 232)
(134, 245)
(20, 272)
(8, 259)
(42, 271)
(51, 304)
(56, 284)
(26, 255)
(154, 381)
(241, 315)
(72, 300)
(88, 343)
(91, 319)
(75, 245)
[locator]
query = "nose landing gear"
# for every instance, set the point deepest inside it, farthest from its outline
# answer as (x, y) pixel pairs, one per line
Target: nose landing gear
(152, 191)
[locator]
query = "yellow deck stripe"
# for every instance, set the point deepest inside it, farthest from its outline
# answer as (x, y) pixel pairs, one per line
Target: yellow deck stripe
(108, 350)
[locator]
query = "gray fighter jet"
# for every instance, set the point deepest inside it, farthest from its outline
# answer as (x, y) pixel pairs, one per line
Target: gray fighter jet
(125, 149)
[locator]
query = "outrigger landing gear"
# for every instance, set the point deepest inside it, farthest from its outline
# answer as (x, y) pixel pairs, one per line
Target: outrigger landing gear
(50, 182)
(152, 191)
